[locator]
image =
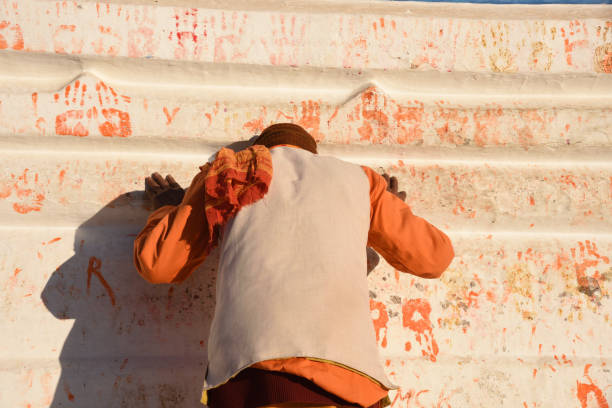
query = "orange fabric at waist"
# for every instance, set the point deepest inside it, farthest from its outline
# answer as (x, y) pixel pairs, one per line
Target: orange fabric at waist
(346, 384)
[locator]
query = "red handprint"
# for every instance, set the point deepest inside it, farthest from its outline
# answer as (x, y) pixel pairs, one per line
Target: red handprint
(66, 40)
(353, 42)
(190, 44)
(108, 43)
(141, 42)
(287, 40)
(229, 41)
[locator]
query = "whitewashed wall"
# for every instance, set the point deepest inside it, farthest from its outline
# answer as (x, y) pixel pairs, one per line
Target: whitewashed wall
(496, 119)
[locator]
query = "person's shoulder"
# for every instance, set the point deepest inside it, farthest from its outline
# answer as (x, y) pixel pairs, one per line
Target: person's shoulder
(329, 160)
(346, 164)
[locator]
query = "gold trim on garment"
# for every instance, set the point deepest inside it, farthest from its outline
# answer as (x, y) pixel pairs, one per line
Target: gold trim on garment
(386, 401)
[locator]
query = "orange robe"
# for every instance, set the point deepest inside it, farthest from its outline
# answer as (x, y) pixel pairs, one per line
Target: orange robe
(174, 242)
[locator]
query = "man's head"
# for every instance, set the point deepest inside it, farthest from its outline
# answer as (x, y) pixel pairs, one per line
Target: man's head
(287, 133)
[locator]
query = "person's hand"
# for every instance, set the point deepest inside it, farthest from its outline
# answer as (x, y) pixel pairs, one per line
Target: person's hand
(392, 187)
(163, 191)
(373, 259)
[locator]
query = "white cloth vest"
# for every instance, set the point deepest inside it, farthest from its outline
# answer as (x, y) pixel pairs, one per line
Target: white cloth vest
(292, 279)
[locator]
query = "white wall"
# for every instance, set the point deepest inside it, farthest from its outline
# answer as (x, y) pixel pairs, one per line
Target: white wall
(496, 119)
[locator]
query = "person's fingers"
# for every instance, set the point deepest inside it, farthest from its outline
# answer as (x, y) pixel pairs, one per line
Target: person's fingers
(151, 188)
(163, 184)
(172, 182)
(386, 177)
(402, 195)
(151, 185)
(372, 259)
(394, 185)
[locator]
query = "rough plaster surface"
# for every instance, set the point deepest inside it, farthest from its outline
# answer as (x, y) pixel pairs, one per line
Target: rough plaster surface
(496, 120)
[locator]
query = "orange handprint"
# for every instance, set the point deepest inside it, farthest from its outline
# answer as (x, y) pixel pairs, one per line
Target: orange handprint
(229, 44)
(11, 36)
(409, 118)
(415, 316)
(451, 125)
(27, 198)
(141, 42)
(73, 122)
(310, 118)
(141, 38)
(380, 318)
(390, 43)
(353, 42)
(108, 43)
(584, 390)
(66, 40)
(585, 261)
(116, 122)
(81, 119)
(287, 40)
(375, 125)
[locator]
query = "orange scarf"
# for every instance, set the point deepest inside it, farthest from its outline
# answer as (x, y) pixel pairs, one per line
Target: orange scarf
(232, 181)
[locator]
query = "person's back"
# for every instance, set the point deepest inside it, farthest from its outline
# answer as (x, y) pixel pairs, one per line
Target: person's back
(292, 273)
(292, 320)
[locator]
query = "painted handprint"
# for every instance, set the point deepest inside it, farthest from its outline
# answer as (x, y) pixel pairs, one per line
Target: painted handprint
(230, 44)
(365, 117)
(86, 113)
(375, 125)
(189, 34)
(112, 121)
(415, 316)
(603, 58)
(288, 36)
(11, 36)
(108, 43)
(141, 39)
(67, 40)
(309, 117)
(27, 191)
(73, 121)
(380, 318)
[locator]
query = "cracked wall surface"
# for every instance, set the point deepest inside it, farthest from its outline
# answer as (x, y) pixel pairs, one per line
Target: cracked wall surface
(496, 119)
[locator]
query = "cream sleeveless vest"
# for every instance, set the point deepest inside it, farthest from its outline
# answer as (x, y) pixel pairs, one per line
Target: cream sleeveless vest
(292, 276)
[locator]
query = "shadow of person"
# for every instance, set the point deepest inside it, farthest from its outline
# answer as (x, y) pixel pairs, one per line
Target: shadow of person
(133, 344)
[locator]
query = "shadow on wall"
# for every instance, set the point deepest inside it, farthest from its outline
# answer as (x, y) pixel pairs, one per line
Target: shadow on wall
(133, 344)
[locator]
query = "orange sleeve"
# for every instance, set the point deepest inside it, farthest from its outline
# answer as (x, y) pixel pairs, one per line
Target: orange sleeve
(408, 242)
(175, 239)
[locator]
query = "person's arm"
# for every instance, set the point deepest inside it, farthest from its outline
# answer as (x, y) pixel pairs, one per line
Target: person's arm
(175, 239)
(406, 241)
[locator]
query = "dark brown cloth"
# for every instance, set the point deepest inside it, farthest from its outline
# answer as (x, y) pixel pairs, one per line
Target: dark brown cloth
(287, 133)
(253, 388)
